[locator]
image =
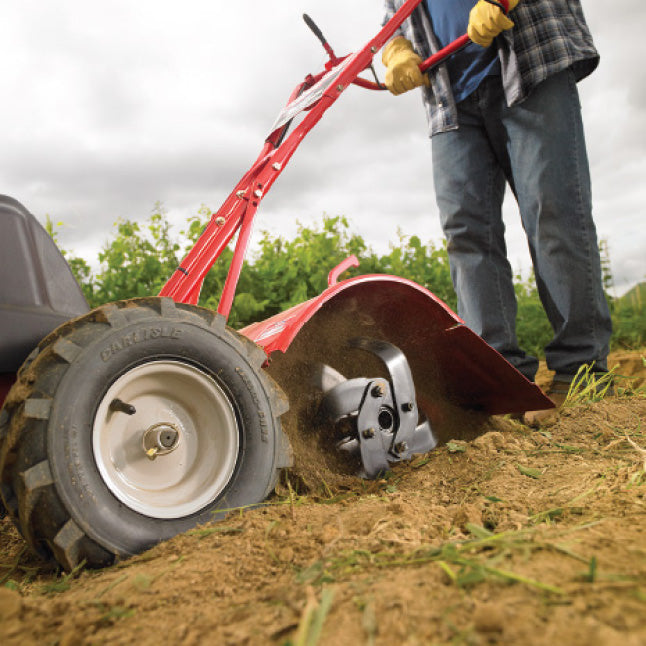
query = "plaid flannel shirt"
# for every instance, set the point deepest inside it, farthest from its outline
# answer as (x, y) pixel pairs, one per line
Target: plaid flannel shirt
(549, 36)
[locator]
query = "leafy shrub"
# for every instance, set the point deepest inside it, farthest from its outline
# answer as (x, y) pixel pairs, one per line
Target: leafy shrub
(139, 259)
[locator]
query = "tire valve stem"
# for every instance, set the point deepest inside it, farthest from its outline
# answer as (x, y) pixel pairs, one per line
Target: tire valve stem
(119, 406)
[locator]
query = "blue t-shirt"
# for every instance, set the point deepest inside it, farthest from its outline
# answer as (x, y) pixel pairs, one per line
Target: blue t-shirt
(468, 67)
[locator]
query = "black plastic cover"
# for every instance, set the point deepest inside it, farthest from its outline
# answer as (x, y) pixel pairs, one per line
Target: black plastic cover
(38, 291)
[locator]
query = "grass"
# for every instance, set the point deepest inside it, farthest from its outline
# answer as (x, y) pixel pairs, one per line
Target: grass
(63, 582)
(589, 386)
(465, 562)
(203, 532)
(14, 567)
(312, 618)
(530, 472)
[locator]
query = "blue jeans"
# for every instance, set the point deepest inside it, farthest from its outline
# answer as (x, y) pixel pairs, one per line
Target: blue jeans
(538, 147)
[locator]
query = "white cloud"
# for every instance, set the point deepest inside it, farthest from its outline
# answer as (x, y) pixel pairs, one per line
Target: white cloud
(110, 107)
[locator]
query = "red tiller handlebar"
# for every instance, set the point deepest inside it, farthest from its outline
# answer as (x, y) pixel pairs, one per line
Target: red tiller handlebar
(239, 209)
(444, 53)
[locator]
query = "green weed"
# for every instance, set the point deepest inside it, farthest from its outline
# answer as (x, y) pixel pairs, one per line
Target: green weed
(110, 614)
(465, 562)
(589, 386)
(536, 474)
(493, 499)
(63, 583)
(203, 532)
(112, 585)
(28, 572)
(142, 582)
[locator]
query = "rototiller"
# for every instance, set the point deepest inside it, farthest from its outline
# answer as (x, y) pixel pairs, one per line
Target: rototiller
(138, 420)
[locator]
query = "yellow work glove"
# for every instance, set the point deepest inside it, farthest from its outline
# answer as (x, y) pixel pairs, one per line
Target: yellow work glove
(486, 21)
(402, 66)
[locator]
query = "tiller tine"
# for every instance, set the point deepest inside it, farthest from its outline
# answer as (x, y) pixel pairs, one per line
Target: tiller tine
(383, 411)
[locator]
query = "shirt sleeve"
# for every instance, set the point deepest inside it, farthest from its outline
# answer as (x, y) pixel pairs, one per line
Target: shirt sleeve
(390, 7)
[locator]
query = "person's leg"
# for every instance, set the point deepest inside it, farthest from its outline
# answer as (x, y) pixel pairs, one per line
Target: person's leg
(469, 187)
(549, 167)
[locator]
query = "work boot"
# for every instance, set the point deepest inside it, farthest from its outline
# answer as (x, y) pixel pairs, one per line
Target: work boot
(557, 392)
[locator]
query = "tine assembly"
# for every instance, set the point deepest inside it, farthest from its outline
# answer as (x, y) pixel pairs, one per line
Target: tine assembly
(384, 411)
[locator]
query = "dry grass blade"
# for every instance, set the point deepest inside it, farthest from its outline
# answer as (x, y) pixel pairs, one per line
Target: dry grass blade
(313, 617)
(203, 532)
(63, 583)
(639, 449)
(12, 567)
(529, 472)
(588, 386)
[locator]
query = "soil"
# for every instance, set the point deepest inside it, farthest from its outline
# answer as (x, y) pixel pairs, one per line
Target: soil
(503, 535)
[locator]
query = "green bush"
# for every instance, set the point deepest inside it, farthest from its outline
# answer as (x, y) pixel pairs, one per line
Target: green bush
(139, 258)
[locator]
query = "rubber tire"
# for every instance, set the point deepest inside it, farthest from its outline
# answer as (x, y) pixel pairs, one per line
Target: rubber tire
(49, 481)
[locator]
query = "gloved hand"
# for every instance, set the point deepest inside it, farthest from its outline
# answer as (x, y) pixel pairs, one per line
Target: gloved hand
(402, 66)
(486, 21)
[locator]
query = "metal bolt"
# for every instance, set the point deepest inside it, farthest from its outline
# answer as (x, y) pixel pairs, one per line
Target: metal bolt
(401, 447)
(258, 193)
(407, 407)
(373, 49)
(118, 406)
(368, 433)
(220, 221)
(377, 390)
(276, 166)
(339, 88)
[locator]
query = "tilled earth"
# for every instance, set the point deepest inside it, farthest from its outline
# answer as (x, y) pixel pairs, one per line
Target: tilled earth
(516, 536)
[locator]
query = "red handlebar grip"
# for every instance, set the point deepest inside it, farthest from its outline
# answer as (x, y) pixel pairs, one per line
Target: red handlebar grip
(444, 53)
(505, 5)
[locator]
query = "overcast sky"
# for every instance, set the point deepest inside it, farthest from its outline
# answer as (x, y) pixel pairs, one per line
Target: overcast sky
(108, 107)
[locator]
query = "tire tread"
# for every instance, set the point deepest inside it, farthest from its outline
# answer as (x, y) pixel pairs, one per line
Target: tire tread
(27, 486)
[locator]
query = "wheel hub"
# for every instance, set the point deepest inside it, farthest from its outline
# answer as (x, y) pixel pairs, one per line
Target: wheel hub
(172, 411)
(160, 439)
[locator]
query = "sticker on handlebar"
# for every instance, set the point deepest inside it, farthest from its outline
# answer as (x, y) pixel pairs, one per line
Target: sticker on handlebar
(311, 96)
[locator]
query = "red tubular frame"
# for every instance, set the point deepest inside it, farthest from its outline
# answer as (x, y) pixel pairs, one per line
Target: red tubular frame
(238, 210)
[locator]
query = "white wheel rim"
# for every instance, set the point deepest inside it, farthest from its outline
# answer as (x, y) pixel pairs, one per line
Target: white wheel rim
(183, 401)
